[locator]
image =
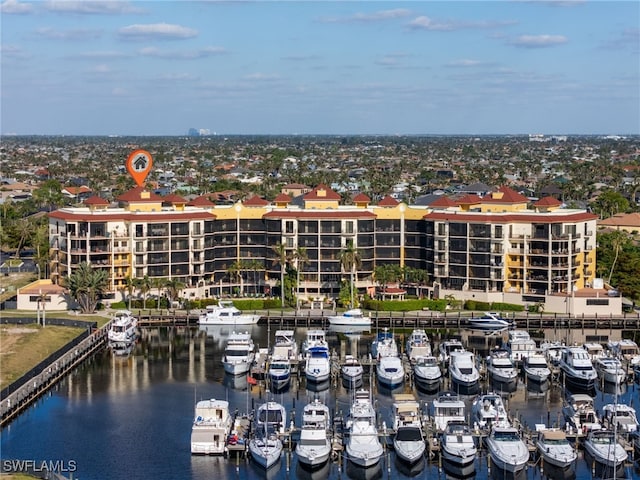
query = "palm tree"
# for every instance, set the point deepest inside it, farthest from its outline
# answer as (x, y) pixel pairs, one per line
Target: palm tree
(86, 285)
(618, 240)
(281, 251)
(235, 272)
(129, 286)
(174, 286)
(144, 285)
(351, 261)
(301, 258)
(158, 283)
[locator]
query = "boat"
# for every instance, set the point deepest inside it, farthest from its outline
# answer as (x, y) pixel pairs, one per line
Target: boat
(211, 427)
(535, 368)
(448, 408)
(626, 350)
(239, 353)
(609, 369)
(265, 449)
(552, 351)
(384, 345)
(620, 417)
(520, 345)
(457, 444)
(318, 364)
(226, 313)
(426, 371)
(489, 321)
(123, 328)
(488, 410)
(507, 450)
(577, 367)
(314, 338)
(390, 371)
(351, 372)
(418, 345)
(594, 350)
(501, 368)
(363, 446)
(446, 348)
(285, 346)
(604, 448)
(279, 373)
(463, 370)
(408, 441)
(554, 448)
(353, 317)
(314, 447)
(580, 414)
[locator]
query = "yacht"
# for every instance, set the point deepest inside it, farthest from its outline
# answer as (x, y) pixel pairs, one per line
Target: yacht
(488, 411)
(580, 414)
(351, 372)
(520, 345)
(501, 368)
(626, 350)
(489, 321)
(285, 347)
(239, 353)
(418, 345)
(318, 364)
(363, 445)
(426, 371)
(314, 447)
(594, 350)
(604, 448)
(408, 441)
(352, 318)
(123, 328)
(266, 447)
(448, 408)
(552, 352)
(457, 444)
(225, 313)
(446, 348)
(384, 345)
(463, 370)
(609, 369)
(577, 368)
(314, 338)
(211, 426)
(390, 372)
(536, 368)
(555, 449)
(620, 417)
(507, 450)
(279, 373)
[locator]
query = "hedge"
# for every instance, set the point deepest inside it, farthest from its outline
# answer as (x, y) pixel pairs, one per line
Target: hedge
(495, 306)
(404, 305)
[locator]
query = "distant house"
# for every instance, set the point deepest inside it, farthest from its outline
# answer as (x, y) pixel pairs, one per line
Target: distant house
(80, 193)
(628, 222)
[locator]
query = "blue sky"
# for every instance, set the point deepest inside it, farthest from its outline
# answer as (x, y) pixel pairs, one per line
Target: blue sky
(162, 67)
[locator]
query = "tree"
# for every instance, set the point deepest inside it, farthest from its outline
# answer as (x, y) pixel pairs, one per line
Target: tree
(144, 285)
(351, 261)
(301, 258)
(129, 286)
(48, 195)
(609, 203)
(86, 285)
(281, 259)
(174, 287)
(158, 283)
(386, 274)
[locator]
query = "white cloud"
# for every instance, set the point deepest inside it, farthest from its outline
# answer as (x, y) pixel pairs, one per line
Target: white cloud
(92, 7)
(182, 55)
(262, 76)
(465, 62)
(15, 7)
(73, 35)
(378, 16)
(157, 31)
(175, 77)
(100, 69)
(538, 41)
(12, 51)
(97, 55)
(426, 23)
(119, 92)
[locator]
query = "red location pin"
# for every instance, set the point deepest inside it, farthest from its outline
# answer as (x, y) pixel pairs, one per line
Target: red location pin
(139, 165)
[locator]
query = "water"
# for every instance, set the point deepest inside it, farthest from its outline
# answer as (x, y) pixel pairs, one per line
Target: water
(124, 418)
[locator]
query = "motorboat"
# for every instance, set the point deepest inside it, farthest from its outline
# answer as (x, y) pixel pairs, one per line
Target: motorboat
(580, 414)
(226, 313)
(279, 373)
(577, 367)
(123, 328)
(211, 426)
(447, 408)
(501, 368)
(520, 345)
(488, 410)
(594, 350)
(610, 369)
(418, 345)
(384, 345)
(604, 448)
(353, 317)
(536, 368)
(626, 350)
(318, 364)
(457, 444)
(489, 321)
(285, 346)
(554, 448)
(463, 370)
(314, 447)
(507, 450)
(445, 349)
(265, 449)
(620, 417)
(408, 441)
(314, 338)
(426, 371)
(363, 445)
(390, 371)
(552, 350)
(351, 372)
(271, 417)
(239, 353)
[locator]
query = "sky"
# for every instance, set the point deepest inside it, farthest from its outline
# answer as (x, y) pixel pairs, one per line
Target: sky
(320, 67)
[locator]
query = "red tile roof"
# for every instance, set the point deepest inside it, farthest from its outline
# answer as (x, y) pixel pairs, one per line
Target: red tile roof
(507, 218)
(255, 201)
(201, 201)
(548, 202)
(509, 195)
(174, 199)
(469, 199)
(134, 195)
(95, 200)
(443, 202)
(282, 198)
(361, 198)
(388, 201)
(328, 195)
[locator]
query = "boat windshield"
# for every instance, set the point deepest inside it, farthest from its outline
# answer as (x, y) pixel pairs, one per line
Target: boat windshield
(270, 416)
(407, 434)
(506, 436)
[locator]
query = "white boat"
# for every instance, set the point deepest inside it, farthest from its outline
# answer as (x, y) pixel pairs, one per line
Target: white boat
(284, 346)
(279, 373)
(384, 345)
(463, 370)
(408, 441)
(609, 369)
(604, 448)
(314, 447)
(457, 444)
(123, 327)
(626, 350)
(507, 450)
(314, 338)
(426, 370)
(318, 364)
(536, 368)
(265, 449)
(353, 317)
(488, 410)
(580, 414)
(552, 351)
(489, 321)
(239, 353)
(363, 445)
(211, 426)
(446, 348)
(390, 371)
(225, 313)
(577, 367)
(594, 350)
(520, 345)
(501, 368)
(620, 417)
(418, 345)
(555, 449)
(352, 372)
(447, 408)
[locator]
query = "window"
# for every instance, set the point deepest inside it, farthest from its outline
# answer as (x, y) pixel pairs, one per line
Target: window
(289, 226)
(348, 227)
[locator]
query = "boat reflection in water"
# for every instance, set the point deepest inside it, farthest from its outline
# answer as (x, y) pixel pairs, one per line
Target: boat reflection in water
(557, 473)
(409, 470)
(356, 472)
(454, 471)
(305, 473)
(501, 474)
(318, 387)
(236, 382)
